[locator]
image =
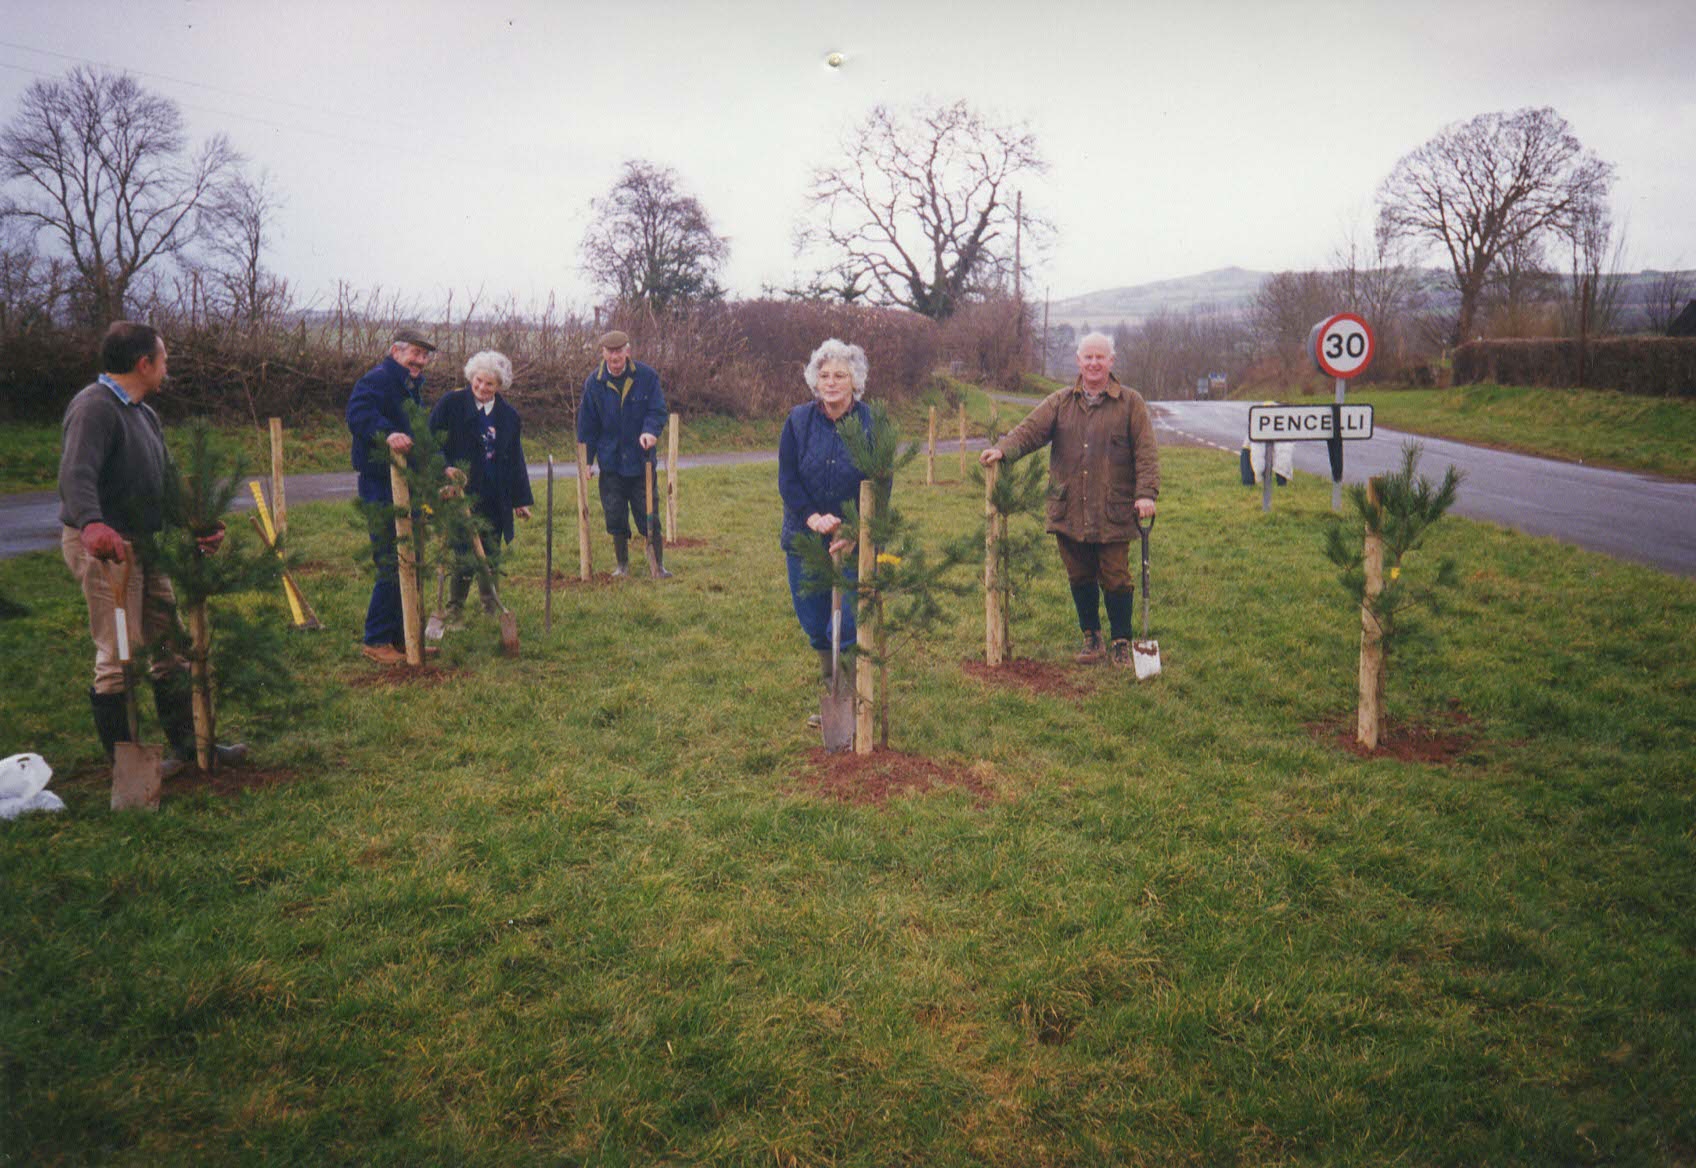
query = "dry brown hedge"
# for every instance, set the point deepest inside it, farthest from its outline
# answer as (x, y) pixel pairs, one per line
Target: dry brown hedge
(1651, 366)
(744, 359)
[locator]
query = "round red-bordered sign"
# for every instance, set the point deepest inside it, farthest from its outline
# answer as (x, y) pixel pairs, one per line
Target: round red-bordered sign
(1342, 345)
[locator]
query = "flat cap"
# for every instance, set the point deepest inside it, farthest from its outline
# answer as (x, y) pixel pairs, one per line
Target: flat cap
(411, 336)
(615, 340)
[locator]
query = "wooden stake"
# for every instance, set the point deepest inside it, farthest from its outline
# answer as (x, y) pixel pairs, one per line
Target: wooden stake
(406, 564)
(548, 560)
(200, 639)
(585, 568)
(1370, 716)
(866, 634)
(671, 482)
(930, 451)
(994, 620)
(279, 506)
(962, 441)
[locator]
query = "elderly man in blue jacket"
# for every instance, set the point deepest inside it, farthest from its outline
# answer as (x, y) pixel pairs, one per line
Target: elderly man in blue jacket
(619, 419)
(377, 419)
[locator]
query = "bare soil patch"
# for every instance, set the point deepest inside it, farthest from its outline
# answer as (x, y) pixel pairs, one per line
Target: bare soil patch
(1043, 677)
(876, 778)
(225, 782)
(1442, 737)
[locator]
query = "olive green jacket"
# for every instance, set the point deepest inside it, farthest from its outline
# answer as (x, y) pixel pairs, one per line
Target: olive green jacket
(1104, 458)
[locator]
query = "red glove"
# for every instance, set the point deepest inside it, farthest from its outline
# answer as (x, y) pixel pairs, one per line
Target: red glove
(102, 542)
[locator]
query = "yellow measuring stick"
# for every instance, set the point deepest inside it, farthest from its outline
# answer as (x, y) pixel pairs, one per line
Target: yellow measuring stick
(297, 602)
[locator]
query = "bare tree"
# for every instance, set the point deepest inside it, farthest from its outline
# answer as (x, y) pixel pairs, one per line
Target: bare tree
(922, 209)
(32, 286)
(1481, 187)
(100, 165)
(1284, 310)
(1519, 292)
(1668, 293)
(1593, 301)
(651, 243)
(1375, 280)
(240, 225)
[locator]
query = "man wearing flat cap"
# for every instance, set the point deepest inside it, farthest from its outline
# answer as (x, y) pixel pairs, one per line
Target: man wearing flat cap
(376, 417)
(619, 419)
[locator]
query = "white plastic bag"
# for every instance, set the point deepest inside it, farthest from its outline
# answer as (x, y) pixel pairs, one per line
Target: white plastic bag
(23, 786)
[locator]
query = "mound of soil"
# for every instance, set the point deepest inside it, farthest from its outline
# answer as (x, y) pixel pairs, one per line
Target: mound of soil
(874, 779)
(1044, 677)
(1443, 737)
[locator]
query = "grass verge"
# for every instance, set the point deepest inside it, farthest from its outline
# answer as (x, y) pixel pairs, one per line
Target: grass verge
(1626, 431)
(584, 907)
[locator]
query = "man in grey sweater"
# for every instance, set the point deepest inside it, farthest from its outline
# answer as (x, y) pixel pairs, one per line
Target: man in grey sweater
(111, 488)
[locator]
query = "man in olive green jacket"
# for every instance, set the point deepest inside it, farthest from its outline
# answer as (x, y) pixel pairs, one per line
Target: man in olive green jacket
(1103, 473)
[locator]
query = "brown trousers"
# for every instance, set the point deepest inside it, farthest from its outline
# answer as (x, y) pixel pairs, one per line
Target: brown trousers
(149, 595)
(1109, 564)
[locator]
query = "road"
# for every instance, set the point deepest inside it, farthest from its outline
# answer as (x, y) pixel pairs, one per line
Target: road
(1630, 516)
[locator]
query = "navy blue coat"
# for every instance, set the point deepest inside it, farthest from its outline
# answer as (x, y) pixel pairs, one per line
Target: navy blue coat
(498, 485)
(376, 410)
(815, 476)
(610, 426)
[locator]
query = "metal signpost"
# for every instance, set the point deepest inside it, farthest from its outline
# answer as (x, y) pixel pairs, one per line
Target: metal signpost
(1341, 346)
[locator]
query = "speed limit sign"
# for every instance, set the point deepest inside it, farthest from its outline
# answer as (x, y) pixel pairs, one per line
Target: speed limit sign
(1341, 345)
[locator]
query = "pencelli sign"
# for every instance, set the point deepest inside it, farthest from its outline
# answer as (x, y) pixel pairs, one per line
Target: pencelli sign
(1309, 423)
(1341, 345)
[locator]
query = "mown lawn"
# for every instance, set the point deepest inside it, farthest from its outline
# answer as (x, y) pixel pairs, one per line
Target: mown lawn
(1628, 431)
(585, 906)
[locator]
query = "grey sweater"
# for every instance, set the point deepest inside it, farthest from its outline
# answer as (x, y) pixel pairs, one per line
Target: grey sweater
(113, 465)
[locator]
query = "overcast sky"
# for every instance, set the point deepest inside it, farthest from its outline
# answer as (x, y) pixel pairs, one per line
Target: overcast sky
(426, 146)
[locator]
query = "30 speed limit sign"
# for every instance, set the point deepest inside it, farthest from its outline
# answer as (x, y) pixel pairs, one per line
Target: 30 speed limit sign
(1341, 345)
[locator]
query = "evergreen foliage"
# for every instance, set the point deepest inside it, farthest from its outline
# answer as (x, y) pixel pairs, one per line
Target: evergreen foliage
(444, 517)
(908, 580)
(1407, 506)
(1021, 489)
(247, 658)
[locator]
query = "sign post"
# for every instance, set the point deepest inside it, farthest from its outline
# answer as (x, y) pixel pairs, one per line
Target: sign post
(1333, 424)
(1341, 346)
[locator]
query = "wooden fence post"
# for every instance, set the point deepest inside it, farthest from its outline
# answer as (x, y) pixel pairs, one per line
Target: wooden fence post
(930, 451)
(994, 613)
(1369, 721)
(279, 507)
(200, 641)
(584, 567)
(962, 441)
(406, 564)
(671, 483)
(866, 634)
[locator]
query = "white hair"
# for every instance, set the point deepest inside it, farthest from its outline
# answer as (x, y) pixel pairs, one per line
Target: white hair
(1102, 337)
(492, 363)
(834, 350)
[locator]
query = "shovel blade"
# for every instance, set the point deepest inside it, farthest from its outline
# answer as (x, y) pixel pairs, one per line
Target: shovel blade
(135, 776)
(1145, 655)
(836, 715)
(509, 634)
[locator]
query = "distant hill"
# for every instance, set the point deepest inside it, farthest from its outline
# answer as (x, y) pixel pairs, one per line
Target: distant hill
(1229, 290)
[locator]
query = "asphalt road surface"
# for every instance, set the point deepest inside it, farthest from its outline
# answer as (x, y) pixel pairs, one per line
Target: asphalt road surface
(1631, 516)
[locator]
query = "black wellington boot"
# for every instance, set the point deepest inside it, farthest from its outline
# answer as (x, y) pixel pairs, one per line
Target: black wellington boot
(176, 717)
(111, 721)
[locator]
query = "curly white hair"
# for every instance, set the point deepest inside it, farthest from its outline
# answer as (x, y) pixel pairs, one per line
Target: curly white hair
(496, 365)
(834, 350)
